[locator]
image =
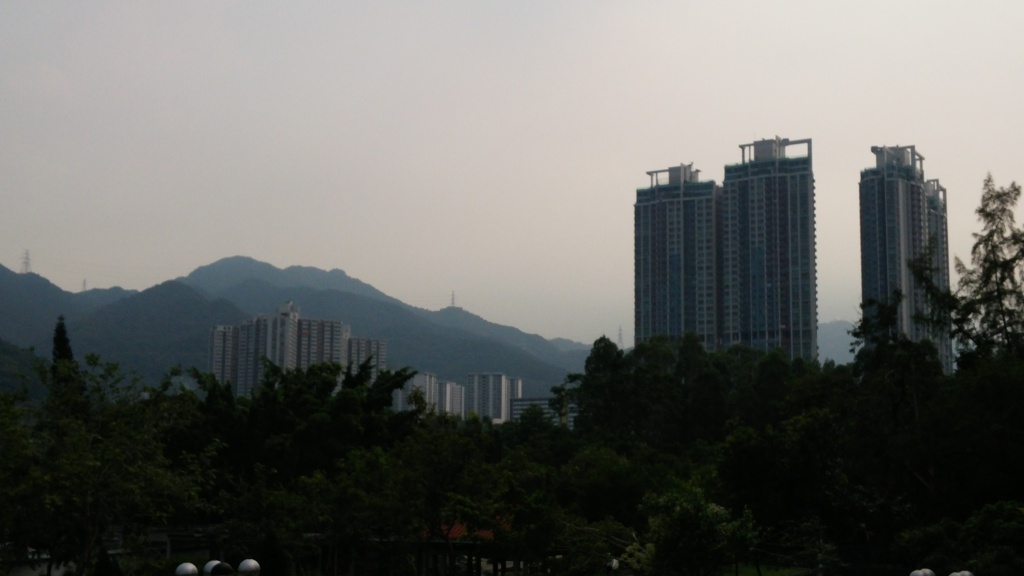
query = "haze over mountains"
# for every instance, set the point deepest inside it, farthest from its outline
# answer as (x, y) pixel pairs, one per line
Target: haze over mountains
(150, 331)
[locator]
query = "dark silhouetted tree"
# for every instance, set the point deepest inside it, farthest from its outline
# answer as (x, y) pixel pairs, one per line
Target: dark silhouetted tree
(989, 316)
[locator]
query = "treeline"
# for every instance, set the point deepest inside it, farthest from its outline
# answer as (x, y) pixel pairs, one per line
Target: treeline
(678, 461)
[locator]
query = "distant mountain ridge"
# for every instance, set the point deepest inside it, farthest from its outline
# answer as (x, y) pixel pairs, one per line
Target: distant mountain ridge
(164, 326)
(561, 352)
(228, 272)
(30, 305)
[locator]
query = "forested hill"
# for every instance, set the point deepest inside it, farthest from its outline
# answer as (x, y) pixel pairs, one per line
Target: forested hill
(226, 273)
(30, 304)
(154, 330)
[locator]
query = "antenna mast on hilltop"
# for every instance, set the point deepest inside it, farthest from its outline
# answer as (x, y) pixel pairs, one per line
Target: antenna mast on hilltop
(453, 298)
(26, 263)
(620, 336)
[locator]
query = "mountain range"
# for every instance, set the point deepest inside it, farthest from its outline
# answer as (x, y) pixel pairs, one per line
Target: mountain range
(147, 332)
(169, 324)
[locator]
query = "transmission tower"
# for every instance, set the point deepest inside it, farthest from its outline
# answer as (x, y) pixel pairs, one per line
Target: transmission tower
(620, 337)
(26, 263)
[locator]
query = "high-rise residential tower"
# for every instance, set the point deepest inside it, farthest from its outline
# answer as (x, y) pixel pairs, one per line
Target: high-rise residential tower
(769, 262)
(275, 338)
(675, 265)
(903, 219)
(428, 386)
(489, 395)
(284, 339)
(452, 399)
(224, 353)
(321, 341)
(373, 350)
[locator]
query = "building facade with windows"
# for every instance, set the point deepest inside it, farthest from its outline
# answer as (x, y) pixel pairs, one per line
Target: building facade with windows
(452, 399)
(322, 341)
(519, 407)
(768, 246)
(372, 350)
(903, 220)
(675, 265)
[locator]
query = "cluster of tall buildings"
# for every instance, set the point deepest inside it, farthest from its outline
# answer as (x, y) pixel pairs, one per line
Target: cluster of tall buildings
(291, 342)
(736, 263)
(288, 341)
(445, 397)
(488, 395)
(731, 263)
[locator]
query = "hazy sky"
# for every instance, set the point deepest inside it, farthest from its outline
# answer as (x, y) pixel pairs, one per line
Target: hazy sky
(490, 148)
